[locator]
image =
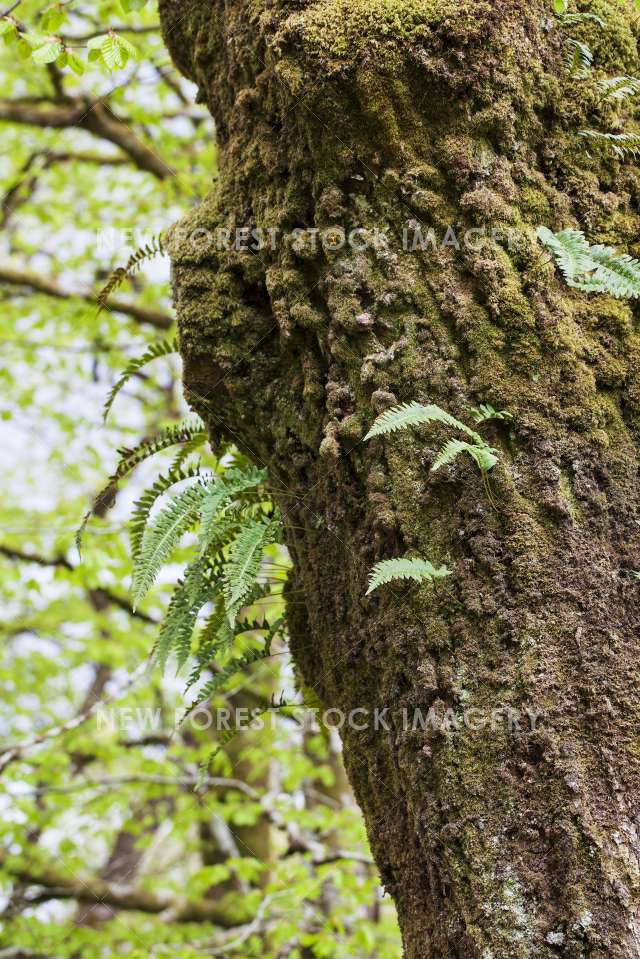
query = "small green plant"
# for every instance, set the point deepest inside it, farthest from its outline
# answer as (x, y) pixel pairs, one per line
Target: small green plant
(619, 88)
(486, 412)
(414, 414)
(485, 457)
(419, 570)
(153, 352)
(594, 269)
(117, 277)
(622, 144)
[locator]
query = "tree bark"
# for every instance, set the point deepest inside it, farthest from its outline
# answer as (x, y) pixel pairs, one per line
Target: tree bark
(383, 115)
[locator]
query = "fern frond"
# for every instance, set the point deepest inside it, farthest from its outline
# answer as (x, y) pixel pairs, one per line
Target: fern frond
(617, 273)
(449, 452)
(569, 19)
(221, 492)
(579, 58)
(215, 639)
(569, 248)
(412, 414)
(217, 682)
(142, 508)
(592, 269)
(242, 568)
(622, 144)
(419, 570)
(153, 352)
(486, 412)
(133, 264)
(161, 538)
(188, 430)
(178, 625)
(619, 88)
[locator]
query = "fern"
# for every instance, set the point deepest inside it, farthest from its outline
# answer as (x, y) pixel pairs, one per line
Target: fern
(245, 557)
(486, 412)
(593, 269)
(177, 627)
(118, 276)
(221, 677)
(142, 508)
(579, 58)
(153, 352)
(161, 539)
(413, 414)
(219, 494)
(191, 430)
(449, 452)
(622, 144)
(419, 570)
(619, 88)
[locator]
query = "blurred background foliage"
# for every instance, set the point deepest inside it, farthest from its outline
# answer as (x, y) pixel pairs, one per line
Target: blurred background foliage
(115, 839)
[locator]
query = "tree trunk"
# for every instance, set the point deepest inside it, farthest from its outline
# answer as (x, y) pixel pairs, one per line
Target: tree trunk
(516, 838)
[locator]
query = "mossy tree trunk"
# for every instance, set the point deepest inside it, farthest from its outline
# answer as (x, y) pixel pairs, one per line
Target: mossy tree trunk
(385, 115)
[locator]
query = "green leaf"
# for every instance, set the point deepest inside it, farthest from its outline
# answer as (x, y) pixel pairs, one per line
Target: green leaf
(153, 352)
(593, 269)
(419, 570)
(413, 414)
(48, 52)
(161, 539)
(243, 566)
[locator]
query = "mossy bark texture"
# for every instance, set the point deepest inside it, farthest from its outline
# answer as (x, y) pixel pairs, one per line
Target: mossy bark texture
(452, 115)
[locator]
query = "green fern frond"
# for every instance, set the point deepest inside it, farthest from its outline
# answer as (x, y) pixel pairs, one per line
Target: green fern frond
(592, 269)
(186, 431)
(619, 88)
(419, 570)
(177, 627)
(161, 539)
(486, 412)
(412, 414)
(449, 452)
(142, 508)
(215, 639)
(569, 248)
(219, 680)
(484, 456)
(569, 19)
(578, 58)
(153, 352)
(622, 144)
(220, 493)
(118, 276)
(245, 557)
(189, 430)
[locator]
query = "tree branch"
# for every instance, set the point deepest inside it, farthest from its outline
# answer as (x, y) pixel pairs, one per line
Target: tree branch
(95, 117)
(91, 891)
(99, 596)
(41, 284)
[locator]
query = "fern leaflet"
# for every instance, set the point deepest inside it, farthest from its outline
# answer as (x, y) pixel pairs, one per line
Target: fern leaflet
(593, 269)
(419, 570)
(619, 88)
(161, 539)
(142, 508)
(118, 276)
(243, 566)
(412, 414)
(153, 352)
(622, 144)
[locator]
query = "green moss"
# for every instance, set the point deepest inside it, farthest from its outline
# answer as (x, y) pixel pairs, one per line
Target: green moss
(341, 28)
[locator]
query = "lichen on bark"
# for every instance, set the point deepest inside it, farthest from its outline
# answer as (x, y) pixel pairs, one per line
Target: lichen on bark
(382, 116)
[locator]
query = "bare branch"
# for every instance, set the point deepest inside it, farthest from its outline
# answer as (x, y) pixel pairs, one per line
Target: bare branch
(41, 284)
(95, 117)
